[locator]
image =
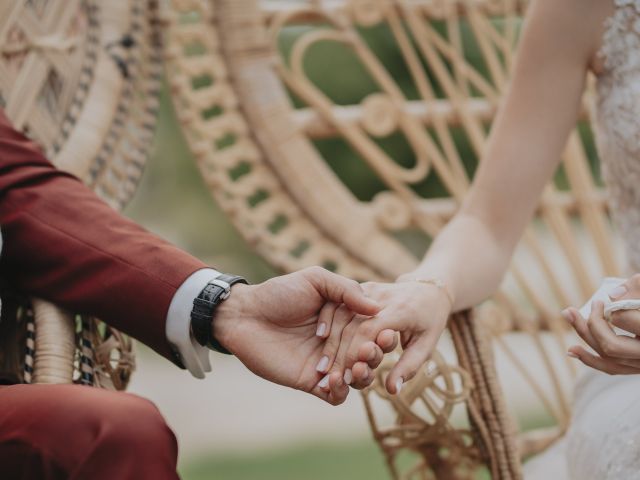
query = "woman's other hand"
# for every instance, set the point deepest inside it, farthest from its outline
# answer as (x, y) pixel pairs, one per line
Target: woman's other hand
(617, 354)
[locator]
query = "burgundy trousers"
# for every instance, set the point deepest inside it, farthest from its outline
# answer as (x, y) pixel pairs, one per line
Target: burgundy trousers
(76, 432)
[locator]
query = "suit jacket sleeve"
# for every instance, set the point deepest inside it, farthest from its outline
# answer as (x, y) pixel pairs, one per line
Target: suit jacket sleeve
(63, 244)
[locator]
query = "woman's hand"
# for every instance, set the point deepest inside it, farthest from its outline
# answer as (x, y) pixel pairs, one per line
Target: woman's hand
(417, 310)
(617, 354)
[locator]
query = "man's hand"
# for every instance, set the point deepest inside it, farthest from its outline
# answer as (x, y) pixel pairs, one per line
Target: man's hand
(272, 328)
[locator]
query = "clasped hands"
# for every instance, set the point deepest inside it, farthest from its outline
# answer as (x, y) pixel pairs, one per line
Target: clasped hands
(614, 354)
(319, 332)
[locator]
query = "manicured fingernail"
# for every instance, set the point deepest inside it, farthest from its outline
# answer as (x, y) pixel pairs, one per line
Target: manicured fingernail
(572, 355)
(348, 376)
(399, 385)
(567, 315)
(322, 327)
(324, 382)
(617, 292)
(323, 364)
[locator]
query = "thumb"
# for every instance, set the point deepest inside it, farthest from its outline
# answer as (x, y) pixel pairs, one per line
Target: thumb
(628, 289)
(338, 289)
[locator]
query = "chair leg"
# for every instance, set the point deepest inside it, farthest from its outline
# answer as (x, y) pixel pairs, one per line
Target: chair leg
(491, 423)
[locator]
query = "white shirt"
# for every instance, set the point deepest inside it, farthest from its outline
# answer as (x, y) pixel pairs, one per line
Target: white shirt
(194, 356)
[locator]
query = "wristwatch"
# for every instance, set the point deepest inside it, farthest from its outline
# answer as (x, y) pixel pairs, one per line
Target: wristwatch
(204, 306)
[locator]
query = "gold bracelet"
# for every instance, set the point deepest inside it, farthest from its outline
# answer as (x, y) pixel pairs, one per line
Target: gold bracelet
(436, 282)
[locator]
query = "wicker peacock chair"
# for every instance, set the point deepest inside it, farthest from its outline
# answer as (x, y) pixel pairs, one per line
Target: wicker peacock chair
(82, 79)
(274, 121)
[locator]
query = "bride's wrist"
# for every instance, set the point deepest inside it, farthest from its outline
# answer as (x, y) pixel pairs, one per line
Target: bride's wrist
(434, 282)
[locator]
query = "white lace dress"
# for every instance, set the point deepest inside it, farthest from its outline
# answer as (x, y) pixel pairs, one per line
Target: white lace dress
(603, 441)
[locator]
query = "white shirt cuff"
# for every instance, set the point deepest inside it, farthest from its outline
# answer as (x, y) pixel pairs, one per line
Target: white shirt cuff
(194, 356)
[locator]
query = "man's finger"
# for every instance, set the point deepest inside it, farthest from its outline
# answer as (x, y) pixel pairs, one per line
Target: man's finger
(338, 289)
(346, 336)
(341, 318)
(325, 319)
(338, 390)
(413, 358)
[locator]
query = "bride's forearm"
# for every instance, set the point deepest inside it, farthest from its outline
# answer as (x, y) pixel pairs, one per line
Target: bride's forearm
(469, 259)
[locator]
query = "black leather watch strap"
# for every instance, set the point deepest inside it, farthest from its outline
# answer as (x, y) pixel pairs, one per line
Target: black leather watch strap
(204, 306)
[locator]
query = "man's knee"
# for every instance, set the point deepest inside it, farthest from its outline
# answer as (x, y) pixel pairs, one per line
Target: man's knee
(90, 418)
(135, 425)
(80, 429)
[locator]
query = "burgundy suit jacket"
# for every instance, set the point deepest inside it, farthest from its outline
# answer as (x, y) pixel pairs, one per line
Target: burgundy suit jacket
(63, 244)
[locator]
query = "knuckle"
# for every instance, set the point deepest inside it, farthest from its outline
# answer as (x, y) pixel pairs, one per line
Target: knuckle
(368, 329)
(634, 280)
(409, 374)
(375, 363)
(582, 329)
(315, 270)
(608, 348)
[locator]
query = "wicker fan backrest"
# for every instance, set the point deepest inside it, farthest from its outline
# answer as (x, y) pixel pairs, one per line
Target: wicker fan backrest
(345, 133)
(82, 79)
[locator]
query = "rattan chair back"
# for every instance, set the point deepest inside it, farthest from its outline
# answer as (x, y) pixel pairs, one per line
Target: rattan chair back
(345, 133)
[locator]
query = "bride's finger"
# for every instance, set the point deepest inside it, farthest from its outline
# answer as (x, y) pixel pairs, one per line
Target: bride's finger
(387, 340)
(363, 376)
(580, 325)
(414, 356)
(603, 364)
(628, 320)
(371, 354)
(611, 345)
(635, 363)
